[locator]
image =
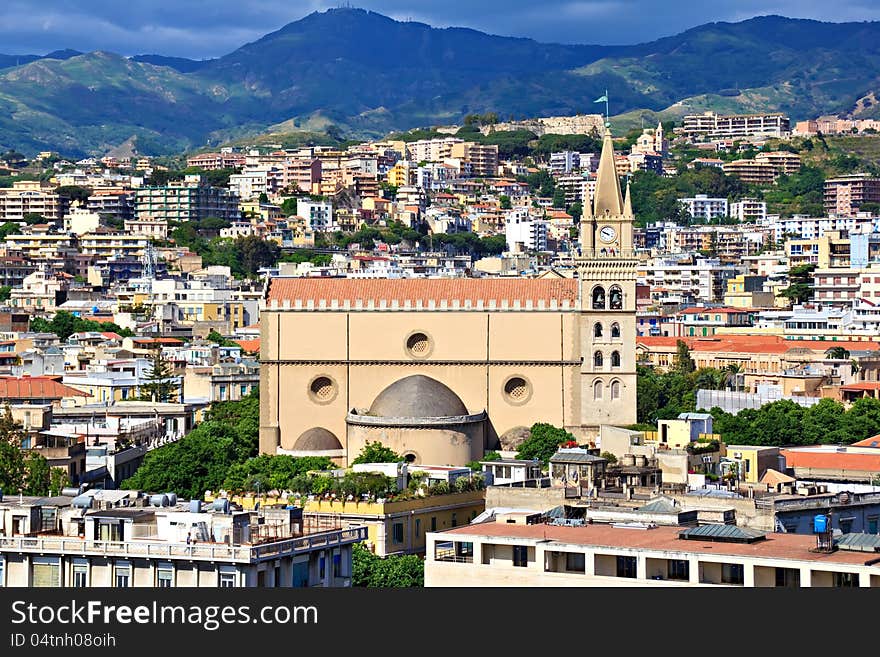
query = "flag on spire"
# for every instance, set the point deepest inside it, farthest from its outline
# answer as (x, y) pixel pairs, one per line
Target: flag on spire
(601, 99)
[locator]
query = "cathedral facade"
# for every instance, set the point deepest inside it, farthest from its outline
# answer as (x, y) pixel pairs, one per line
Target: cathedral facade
(441, 370)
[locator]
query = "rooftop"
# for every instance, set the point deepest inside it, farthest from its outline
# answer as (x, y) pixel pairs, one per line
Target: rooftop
(423, 291)
(774, 546)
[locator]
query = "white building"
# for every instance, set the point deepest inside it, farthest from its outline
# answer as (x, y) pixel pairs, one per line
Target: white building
(318, 214)
(703, 208)
(524, 232)
(749, 210)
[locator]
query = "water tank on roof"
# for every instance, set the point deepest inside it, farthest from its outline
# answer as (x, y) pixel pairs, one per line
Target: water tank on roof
(641, 461)
(158, 500)
(628, 460)
(71, 492)
(172, 498)
(820, 524)
(221, 505)
(83, 502)
(195, 506)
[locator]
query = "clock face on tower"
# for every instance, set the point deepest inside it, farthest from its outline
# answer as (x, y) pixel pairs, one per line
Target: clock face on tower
(607, 233)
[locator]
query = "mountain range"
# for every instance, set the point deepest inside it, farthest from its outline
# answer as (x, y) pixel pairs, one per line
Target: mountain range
(368, 74)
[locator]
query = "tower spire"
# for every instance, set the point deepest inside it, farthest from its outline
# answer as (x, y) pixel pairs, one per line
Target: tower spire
(607, 197)
(627, 202)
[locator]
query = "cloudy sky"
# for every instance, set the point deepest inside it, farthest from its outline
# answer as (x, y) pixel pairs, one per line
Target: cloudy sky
(208, 28)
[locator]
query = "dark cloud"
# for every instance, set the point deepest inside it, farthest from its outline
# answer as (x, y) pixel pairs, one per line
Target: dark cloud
(208, 28)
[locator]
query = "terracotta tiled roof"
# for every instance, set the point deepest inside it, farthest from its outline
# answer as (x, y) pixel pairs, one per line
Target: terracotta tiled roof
(873, 441)
(750, 344)
(35, 387)
(424, 290)
(250, 346)
(695, 310)
(831, 460)
(863, 385)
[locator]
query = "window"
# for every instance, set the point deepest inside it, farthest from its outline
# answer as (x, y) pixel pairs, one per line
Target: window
(397, 532)
(732, 573)
(337, 564)
(520, 556)
(846, 525)
(575, 561)
(846, 580)
(597, 330)
(165, 576)
(615, 359)
(788, 578)
(597, 390)
(616, 298)
(626, 567)
(598, 359)
(46, 572)
(872, 524)
(418, 527)
(433, 523)
(80, 576)
(455, 520)
(679, 569)
(615, 330)
(227, 580)
(122, 576)
(599, 298)
(615, 390)
(322, 567)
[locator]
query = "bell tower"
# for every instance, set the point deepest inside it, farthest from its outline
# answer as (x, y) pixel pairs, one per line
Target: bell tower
(607, 269)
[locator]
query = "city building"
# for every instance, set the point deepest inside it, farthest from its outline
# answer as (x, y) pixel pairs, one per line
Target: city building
(188, 200)
(27, 197)
(125, 539)
(846, 194)
(453, 375)
(717, 126)
(749, 210)
(703, 208)
(512, 551)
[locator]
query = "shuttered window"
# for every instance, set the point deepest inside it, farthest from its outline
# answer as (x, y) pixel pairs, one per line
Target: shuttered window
(46, 572)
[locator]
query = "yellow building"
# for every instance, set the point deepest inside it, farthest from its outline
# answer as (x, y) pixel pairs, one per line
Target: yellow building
(443, 369)
(400, 174)
(751, 461)
(393, 527)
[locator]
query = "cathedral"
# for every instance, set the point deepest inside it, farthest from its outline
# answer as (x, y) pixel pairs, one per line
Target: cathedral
(441, 370)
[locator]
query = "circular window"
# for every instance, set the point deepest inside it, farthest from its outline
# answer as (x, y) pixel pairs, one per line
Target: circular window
(517, 390)
(322, 389)
(409, 457)
(419, 345)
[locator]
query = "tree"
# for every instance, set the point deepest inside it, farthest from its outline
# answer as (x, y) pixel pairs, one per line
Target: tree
(800, 284)
(608, 456)
(504, 202)
(837, 353)
(683, 363)
(543, 441)
(256, 253)
(9, 228)
(161, 384)
(376, 452)
(58, 481)
(397, 571)
(5, 292)
(215, 337)
(75, 193)
(13, 472)
(288, 207)
(37, 474)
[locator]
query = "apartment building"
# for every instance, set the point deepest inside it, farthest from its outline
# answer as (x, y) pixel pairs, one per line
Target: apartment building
(703, 208)
(432, 150)
(483, 158)
(114, 245)
(317, 214)
(31, 197)
(783, 162)
(748, 210)
(252, 182)
(525, 232)
(753, 172)
(214, 161)
(844, 195)
(703, 280)
(514, 550)
(125, 539)
(187, 200)
(731, 126)
(839, 286)
(112, 201)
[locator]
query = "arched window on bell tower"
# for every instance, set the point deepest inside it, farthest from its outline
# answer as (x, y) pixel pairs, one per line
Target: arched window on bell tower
(615, 330)
(598, 359)
(616, 298)
(597, 330)
(598, 298)
(597, 390)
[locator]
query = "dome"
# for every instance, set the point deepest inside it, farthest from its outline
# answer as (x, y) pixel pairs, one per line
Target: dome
(417, 396)
(317, 439)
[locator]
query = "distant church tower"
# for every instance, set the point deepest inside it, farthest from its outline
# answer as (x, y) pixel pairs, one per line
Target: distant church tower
(607, 269)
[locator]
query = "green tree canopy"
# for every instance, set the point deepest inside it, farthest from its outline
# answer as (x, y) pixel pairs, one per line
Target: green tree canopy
(398, 571)
(543, 441)
(376, 452)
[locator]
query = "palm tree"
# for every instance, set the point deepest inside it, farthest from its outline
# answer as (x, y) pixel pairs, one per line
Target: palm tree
(731, 374)
(837, 353)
